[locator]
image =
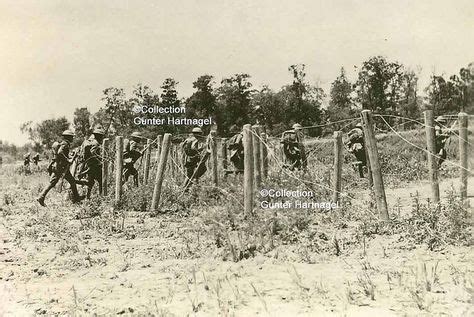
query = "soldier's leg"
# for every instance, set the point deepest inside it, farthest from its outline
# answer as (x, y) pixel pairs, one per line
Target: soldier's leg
(200, 170)
(72, 183)
(98, 177)
(135, 176)
(54, 179)
(90, 184)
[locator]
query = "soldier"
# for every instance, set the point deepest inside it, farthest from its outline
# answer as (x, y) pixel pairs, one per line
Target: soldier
(236, 149)
(131, 155)
(441, 136)
(293, 148)
(27, 160)
(196, 153)
(92, 162)
(36, 159)
(59, 167)
(355, 145)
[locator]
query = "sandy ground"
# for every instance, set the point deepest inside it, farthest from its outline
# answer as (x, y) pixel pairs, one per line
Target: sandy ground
(158, 274)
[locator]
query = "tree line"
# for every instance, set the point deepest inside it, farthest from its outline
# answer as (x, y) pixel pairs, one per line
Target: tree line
(383, 86)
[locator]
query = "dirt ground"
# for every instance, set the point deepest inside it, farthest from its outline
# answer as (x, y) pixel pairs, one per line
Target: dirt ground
(50, 266)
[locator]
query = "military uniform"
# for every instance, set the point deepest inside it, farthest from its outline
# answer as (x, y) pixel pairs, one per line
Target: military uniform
(293, 149)
(196, 154)
(27, 160)
(36, 158)
(356, 146)
(236, 149)
(92, 164)
(58, 167)
(131, 155)
(440, 140)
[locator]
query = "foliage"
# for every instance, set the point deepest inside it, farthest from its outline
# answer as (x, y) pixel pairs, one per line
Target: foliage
(82, 125)
(341, 103)
(454, 94)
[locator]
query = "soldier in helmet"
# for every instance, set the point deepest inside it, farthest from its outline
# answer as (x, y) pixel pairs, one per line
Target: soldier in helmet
(235, 146)
(441, 136)
(293, 148)
(36, 159)
(92, 161)
(196, 154)
(131, 155)
(355, 145)
(59, 167)
(27, 160)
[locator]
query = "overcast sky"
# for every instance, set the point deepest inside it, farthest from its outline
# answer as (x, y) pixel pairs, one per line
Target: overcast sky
(59, 55)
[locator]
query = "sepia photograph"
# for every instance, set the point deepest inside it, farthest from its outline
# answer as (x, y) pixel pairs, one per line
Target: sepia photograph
(236, 158)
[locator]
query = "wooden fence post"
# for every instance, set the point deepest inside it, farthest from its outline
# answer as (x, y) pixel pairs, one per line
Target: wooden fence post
(146, 172)
(371, 145)
(224, 155)
(248, 169)
(215, 176)
(159, 139)
(105, 166)
(160, 172)
(463, 144)
(264, 154)
(432, 154)
(256, 155)
(118, 168)
(337, 165)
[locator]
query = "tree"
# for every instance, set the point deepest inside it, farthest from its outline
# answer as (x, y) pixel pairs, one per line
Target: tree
(50, 130)
(203, 102)
(341, 105)
(169, 96)
(270, 109)
(82, 125)
(410, 103)
(234, 102)
(301, 101)
(378, 86)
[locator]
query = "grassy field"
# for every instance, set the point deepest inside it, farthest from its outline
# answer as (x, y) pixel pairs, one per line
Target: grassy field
(201, 256)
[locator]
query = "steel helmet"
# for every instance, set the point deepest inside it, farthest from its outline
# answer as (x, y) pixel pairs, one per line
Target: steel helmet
(441, 119)
(99, 131)
(137, 134)
(196, 130)
(68, 133)
(297, 126)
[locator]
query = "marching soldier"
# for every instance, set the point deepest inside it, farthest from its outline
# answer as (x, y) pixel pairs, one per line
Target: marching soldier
(92, 162)
(355, 145)
(131, 155)
(36, 159)
(235, 146)
(59, 167)
(293, 148)
(196, 154)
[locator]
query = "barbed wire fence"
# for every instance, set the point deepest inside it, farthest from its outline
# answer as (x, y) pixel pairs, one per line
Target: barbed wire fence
(264, 159)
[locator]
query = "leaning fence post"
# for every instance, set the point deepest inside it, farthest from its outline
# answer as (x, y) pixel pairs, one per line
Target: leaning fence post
(215, 177)
(224, 155)
(371, 145)
(146, 173)
(264, 154)
(159, 139)
(256, 154)
(118, 168)
(432, 162)
(105, 166)
(337, 165)
(160, 172)
(463, 144)
(248, 169)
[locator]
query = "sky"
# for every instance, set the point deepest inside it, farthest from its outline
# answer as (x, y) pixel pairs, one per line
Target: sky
(56, 56)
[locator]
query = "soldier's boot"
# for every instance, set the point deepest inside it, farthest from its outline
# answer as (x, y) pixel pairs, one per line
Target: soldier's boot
(43, 194)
